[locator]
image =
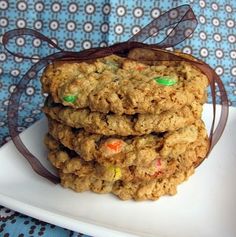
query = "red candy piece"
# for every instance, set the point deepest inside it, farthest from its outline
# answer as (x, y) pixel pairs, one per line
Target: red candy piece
(159, 168)
(158, 163)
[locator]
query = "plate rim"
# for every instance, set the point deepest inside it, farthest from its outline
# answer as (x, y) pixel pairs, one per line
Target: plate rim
(60, 220)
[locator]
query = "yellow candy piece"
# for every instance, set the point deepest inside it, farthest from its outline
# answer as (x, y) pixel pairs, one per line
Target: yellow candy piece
(116, 172)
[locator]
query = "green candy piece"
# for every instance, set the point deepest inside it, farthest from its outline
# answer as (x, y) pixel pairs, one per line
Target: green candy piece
(112, 64)
(70, 98)
(165, 81)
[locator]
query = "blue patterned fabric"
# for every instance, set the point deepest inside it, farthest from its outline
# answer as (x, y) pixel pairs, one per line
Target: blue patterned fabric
(13, 224)
(83, 24)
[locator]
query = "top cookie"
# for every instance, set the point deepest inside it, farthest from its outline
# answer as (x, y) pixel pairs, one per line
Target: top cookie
(124, 85)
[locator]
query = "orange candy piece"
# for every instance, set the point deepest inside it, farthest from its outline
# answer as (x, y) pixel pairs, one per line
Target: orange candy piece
(140, 68)
(115, 146)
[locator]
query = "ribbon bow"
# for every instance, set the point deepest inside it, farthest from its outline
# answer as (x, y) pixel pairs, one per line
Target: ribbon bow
(183, 21)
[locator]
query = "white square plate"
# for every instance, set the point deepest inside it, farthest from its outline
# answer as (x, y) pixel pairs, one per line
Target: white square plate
(204, 206)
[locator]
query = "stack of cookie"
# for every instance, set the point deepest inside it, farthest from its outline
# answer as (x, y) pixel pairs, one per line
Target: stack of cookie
(130, 126)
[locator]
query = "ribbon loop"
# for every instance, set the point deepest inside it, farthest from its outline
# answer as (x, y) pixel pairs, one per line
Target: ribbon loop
(26, 32)
(181, 18)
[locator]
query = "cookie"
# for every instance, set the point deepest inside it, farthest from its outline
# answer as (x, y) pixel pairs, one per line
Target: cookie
(80, 175)
(127, 151)
(123, 125)
(125, 86)
(140, 190)
(67, 161)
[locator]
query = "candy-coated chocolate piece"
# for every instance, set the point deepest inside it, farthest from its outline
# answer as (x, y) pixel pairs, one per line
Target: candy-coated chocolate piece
(112, 146)
(70, 98)
(116, 172)
(112, 64)
(115, 146)
(165, 80)
(140, 68)
(158, 164)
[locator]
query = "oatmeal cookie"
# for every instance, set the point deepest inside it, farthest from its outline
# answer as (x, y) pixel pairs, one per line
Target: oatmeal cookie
(126, 151)
(123, 125)
(80, 175)
(125, 190)
(67, 161)
(139, 191)
(125, 85)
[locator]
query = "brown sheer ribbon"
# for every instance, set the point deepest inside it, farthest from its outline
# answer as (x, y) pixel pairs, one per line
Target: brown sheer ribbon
(183, 23)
